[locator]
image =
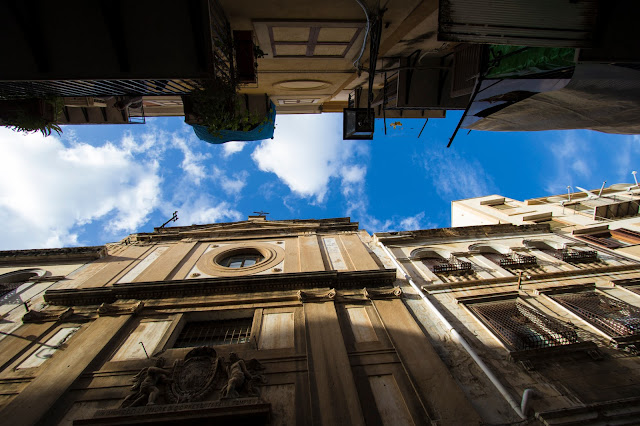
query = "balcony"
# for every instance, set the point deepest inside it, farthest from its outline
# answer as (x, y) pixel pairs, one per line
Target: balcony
(515, 260)
(453, 267)
(577, 256)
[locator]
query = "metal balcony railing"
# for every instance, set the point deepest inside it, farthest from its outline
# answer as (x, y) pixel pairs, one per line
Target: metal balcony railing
(516, 260)
(95, 88)
(577, 256)
(452, 266)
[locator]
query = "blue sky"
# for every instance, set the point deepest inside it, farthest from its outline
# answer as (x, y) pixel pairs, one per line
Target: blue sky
(97, 184)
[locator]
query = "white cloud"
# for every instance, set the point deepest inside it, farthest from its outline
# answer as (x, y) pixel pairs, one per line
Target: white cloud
(230, 185)
(47, 190)
(454, 177)
(411, 222)
(230, 148)
(308, 151)
(627, 151)
(192, 163)
(203, 210)
(573, 161)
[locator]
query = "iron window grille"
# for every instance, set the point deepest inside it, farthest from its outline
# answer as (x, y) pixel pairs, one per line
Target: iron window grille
(516, 260)
(614, 317)
(521, 327)
(577, 256)
(214, 333)
(452, 266)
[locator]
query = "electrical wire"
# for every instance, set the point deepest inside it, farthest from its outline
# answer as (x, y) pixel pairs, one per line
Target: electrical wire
(356, 63)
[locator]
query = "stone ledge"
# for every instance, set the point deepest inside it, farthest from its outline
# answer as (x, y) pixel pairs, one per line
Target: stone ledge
(244, 411)
(220, 286)
(14, 257)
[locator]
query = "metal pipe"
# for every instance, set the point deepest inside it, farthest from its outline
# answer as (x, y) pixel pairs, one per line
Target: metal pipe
(460, 340)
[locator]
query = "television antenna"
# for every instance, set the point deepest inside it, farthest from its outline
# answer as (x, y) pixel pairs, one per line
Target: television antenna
(173, 219)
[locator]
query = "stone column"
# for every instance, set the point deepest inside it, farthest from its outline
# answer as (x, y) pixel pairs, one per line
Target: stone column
(334, 398)
(443, 399)
(59, 373)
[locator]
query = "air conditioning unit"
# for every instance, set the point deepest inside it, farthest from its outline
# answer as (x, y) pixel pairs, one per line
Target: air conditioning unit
(358, 123)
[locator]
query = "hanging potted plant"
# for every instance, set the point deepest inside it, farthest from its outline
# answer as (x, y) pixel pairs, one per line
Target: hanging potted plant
(31, 115)
(219, 114)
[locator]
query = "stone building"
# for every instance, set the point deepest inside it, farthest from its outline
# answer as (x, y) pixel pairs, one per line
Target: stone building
(536, 327)
(254, 322)
(607, 216)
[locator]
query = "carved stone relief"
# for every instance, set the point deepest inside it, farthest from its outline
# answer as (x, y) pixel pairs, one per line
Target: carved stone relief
(391, 293)
(108, 309)
(201, 375)
(317, 296)
(46, 316)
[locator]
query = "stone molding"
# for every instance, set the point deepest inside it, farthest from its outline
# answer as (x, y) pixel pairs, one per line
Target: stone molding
(307, 296)
(15, 257)
(382, 293)
(247, 408)
(112, 310)
(46, 316)
(222, 286)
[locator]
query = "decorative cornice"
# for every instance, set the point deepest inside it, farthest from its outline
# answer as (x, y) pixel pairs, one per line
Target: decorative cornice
(383, 293)
(536, 278)
(46, 316)
(112, 310)
(465, 232)
(317, 296)
(14, 257)
(222, 286)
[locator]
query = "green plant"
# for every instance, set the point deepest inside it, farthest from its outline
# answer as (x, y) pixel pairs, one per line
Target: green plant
(219, 107)
(34, 115)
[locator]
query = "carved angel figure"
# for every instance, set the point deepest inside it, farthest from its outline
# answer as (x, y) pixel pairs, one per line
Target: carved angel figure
(240, 378)
(146, 385)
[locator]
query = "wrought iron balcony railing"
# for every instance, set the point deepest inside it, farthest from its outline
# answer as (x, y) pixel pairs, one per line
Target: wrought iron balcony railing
(577, 256)
(515, 260)
(452, 266)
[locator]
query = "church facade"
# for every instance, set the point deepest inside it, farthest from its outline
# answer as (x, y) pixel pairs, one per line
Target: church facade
(254, 322)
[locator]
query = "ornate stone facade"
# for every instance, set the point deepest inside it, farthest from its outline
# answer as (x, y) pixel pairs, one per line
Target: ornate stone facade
(163, 329)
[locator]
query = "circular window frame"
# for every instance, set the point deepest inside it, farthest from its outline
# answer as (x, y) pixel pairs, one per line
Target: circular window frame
(209, 263)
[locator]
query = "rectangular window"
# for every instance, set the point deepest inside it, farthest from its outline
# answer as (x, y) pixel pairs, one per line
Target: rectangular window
(308, 39)
(521, 327)
(611, 316)
(212, 333)
(46, 350)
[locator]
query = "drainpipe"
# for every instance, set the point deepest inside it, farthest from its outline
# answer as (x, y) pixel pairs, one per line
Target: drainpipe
(520, 409)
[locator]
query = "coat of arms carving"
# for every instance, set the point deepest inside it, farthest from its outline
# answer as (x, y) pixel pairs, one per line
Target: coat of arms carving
(193, 377)
(198, 377)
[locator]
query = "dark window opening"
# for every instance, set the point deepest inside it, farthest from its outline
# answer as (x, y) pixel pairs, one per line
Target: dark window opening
(213, 333)
(521, 327)
(241, 260)
(614, 317)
